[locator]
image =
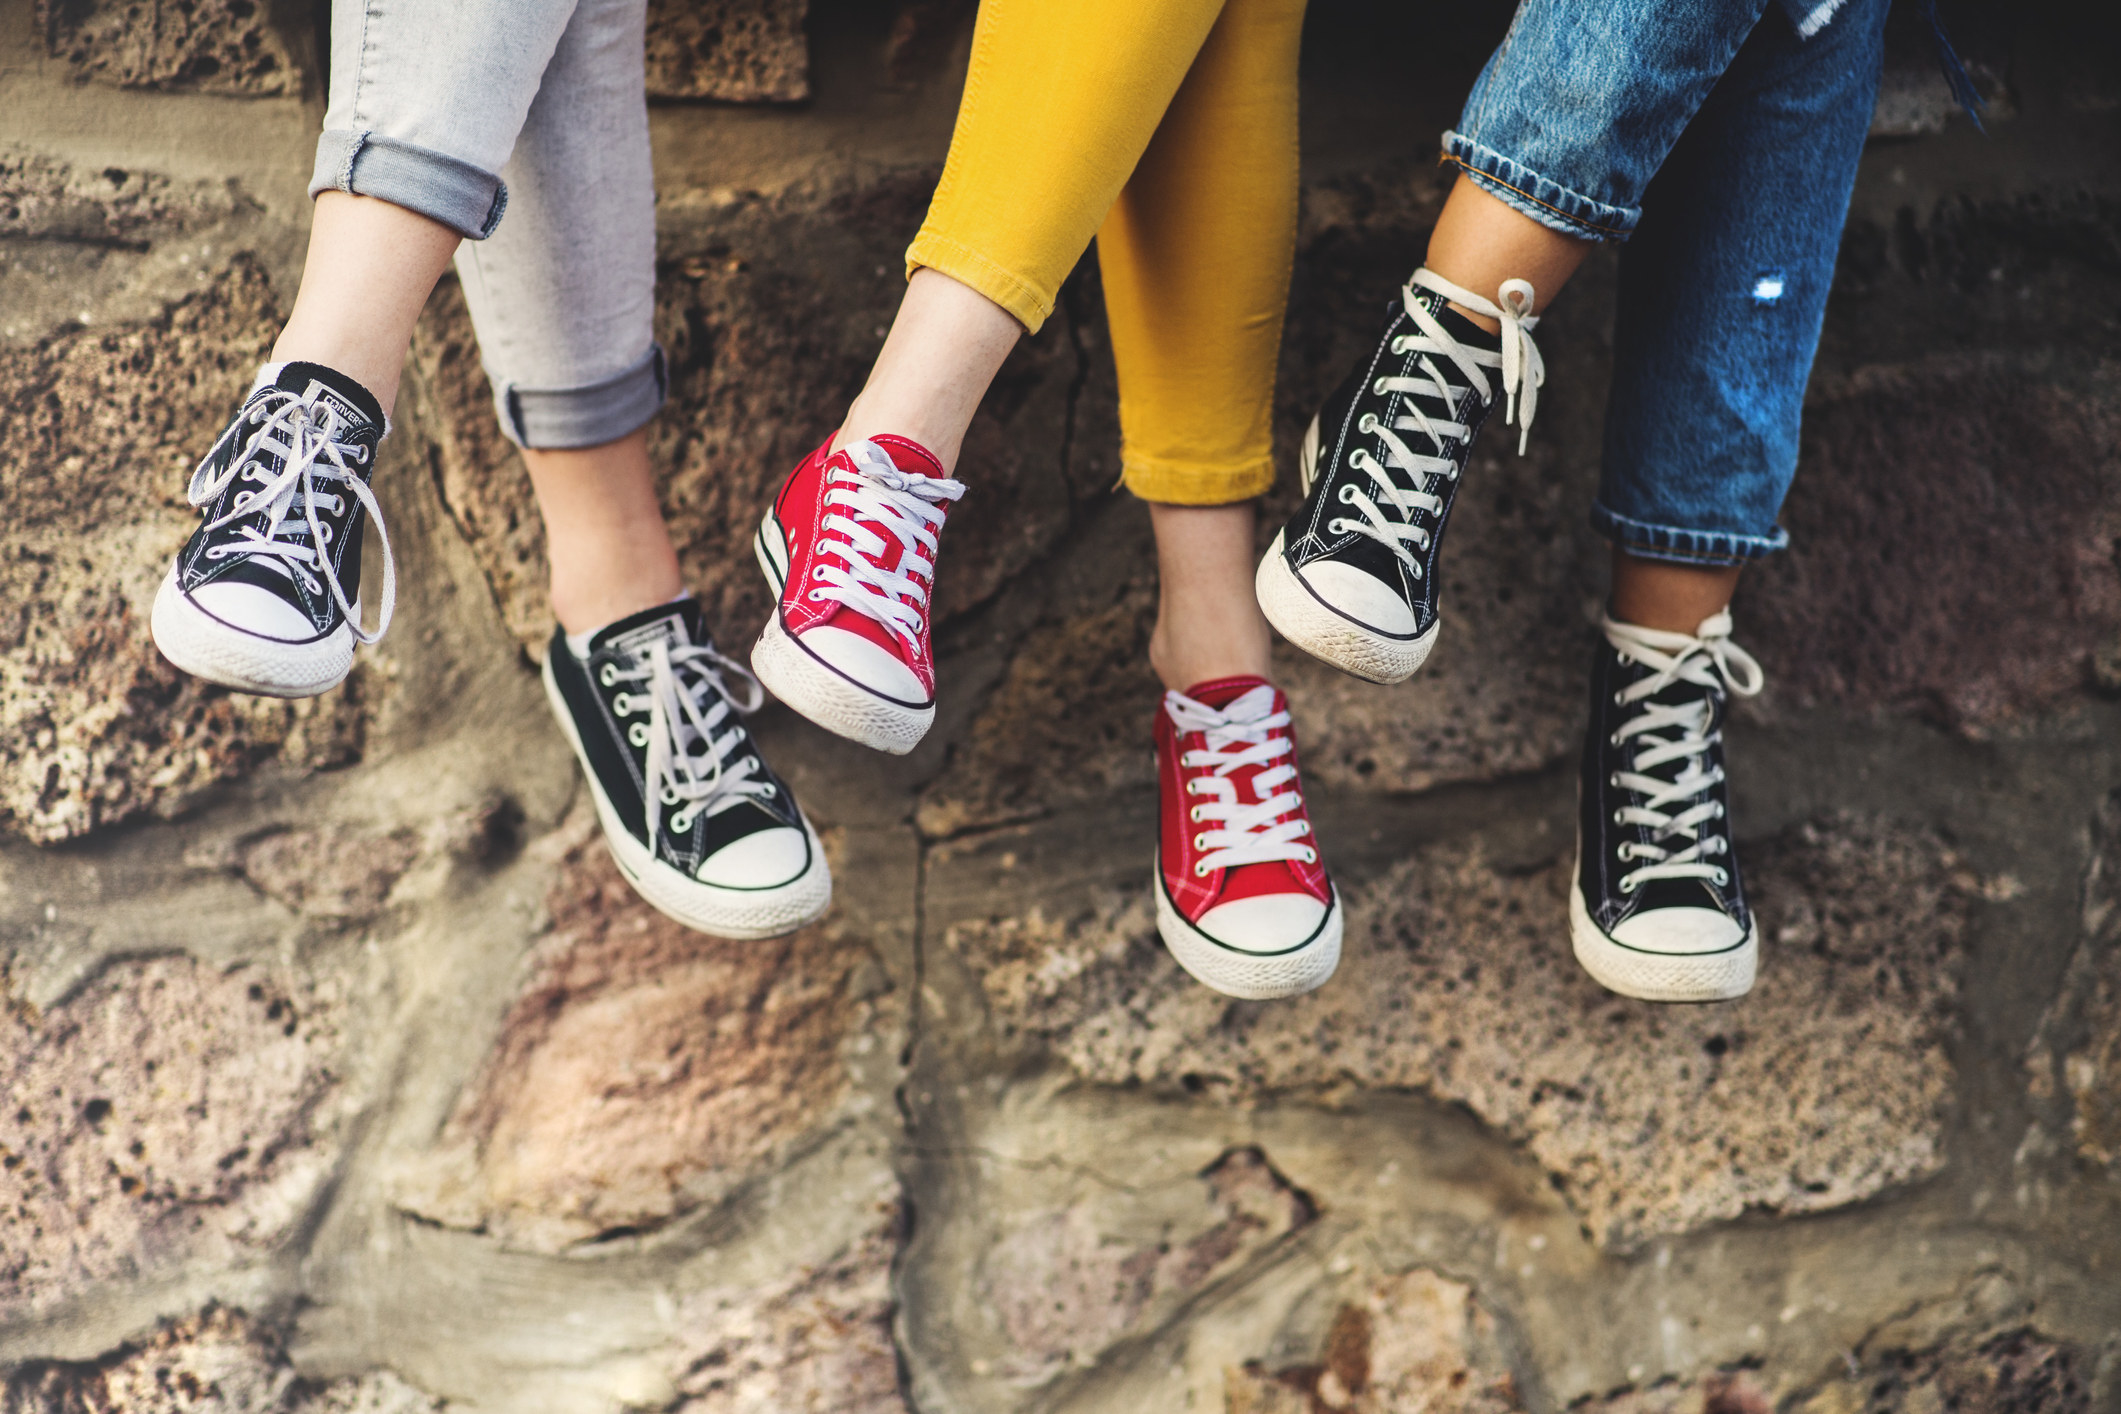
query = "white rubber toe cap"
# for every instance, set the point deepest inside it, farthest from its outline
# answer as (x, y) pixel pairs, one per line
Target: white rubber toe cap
(1679, 932)
(764, 859)
(254, 609)
(1362, 597)
(1267, 923)
(866, 663)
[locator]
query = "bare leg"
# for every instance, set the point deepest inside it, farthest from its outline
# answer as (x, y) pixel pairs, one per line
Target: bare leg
(1208, 623)
(1675, 598)
(604, 534)
(945, 346)
(370, 268)
(1479, 242)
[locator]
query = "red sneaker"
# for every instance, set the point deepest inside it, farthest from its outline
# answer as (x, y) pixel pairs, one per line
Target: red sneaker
(849, 548)
(1242, 900)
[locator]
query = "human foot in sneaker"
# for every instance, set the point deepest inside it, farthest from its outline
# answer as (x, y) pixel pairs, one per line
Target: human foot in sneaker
(697, 821)
(1656, 910)
(1242, 900)
(1351, 578)
(849, 548)
(266, 595)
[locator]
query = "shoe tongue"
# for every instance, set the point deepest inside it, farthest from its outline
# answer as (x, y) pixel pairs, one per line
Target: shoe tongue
(1220, 693)
(348, 401)
(677, 624)
(904, 453)
(1457, 325)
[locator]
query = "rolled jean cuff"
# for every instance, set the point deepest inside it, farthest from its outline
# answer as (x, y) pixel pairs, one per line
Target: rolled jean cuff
(442, 188)
(1681, 546)
(555, 419)
(1176, 483)
(1549, 203)
(1025, 301)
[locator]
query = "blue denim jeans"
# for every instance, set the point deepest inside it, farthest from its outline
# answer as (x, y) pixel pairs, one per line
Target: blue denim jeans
(1721, 146)
(536, 111)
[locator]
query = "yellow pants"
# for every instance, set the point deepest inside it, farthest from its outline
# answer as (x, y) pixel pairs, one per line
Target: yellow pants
(1166, 129)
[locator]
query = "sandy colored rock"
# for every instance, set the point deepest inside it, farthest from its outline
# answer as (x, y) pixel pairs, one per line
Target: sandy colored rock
(211, 46)
(642, 1070)
(819, 1343)
(771, 311)
(739, 51)
(329, 874)
(2020, 1372)
(1826, 1085)
(1066, 1282)
(2073, 1066)
(1413, 1341)
(217, 1362)
(51, 200)
(166, 1112)
(98, 435)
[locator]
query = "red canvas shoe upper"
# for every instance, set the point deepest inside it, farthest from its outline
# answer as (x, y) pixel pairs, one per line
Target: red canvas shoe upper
(1231, 809)
(861, 527)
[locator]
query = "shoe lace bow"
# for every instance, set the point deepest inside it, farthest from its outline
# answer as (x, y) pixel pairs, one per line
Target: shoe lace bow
(693, 730)
(292, 540)
(1678, 810)
(1247, 732)
(870, 494)
(1522, 372)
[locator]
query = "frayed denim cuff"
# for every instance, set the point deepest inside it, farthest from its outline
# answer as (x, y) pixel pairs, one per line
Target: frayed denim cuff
(1549, 203)
(555, 419)
(1680, 546)
(435, 185)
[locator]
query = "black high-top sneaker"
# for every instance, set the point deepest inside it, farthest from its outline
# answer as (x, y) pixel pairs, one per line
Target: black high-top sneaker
(1351, 578)
(1657, 910)
(697, 821)
(266, 595)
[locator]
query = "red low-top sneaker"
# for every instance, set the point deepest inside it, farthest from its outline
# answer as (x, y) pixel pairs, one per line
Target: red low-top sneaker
(849, 548)
(1242, 900)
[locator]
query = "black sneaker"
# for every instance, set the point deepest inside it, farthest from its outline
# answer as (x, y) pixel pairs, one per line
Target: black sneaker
(1657, 911)
(266, 595)
(1351, 578)
(696, 820)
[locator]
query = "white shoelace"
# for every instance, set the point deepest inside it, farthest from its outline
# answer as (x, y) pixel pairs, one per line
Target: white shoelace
(303, 439)
(875, 495)
(1248, 732)
(691, 732)
(1706, 658)
(1522, 371)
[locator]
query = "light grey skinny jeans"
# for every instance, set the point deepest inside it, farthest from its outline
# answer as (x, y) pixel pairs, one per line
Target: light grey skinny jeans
(463, 110)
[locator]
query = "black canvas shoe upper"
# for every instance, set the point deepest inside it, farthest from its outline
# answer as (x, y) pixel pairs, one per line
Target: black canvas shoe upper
(665, 737)
(282, 492)
(1654, 831)
(1394, 438)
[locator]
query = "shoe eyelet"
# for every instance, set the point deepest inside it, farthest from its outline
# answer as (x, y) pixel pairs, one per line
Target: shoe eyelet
(769, 790)
(609, 675)
(1617, 702)
(1347, 493)
(1200, 871)
(1310, 856)
(1723, 878)
(817, 572)
(679, 824)
(816, 596)
(1721, 812)
(1627, 886)
(1617, 818)
(1200, 841)
(1368, 421)
(1194, 814)
(1613, 740)
(1613, 780)
(638, 734)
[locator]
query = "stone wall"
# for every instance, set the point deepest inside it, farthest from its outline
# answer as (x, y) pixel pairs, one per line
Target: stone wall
(340, 1071)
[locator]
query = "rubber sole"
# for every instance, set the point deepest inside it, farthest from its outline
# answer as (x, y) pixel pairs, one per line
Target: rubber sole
(741, 914)
(1659, 977)
(207, 648)
(1300, 616)
(1249, 976)
(799, 678)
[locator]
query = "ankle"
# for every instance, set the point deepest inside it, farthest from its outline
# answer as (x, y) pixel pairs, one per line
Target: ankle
(1181, 662)
(587, 607)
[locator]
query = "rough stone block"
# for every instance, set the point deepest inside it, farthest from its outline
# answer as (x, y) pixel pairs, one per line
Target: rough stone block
(212, 46)
(739, 51)
(1411, 1341)
(643, 1070)
(1826, 1085)
(46, 199)
(819, 1340)
(217, 1362)
(165, 1113)
(2073, 1067)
